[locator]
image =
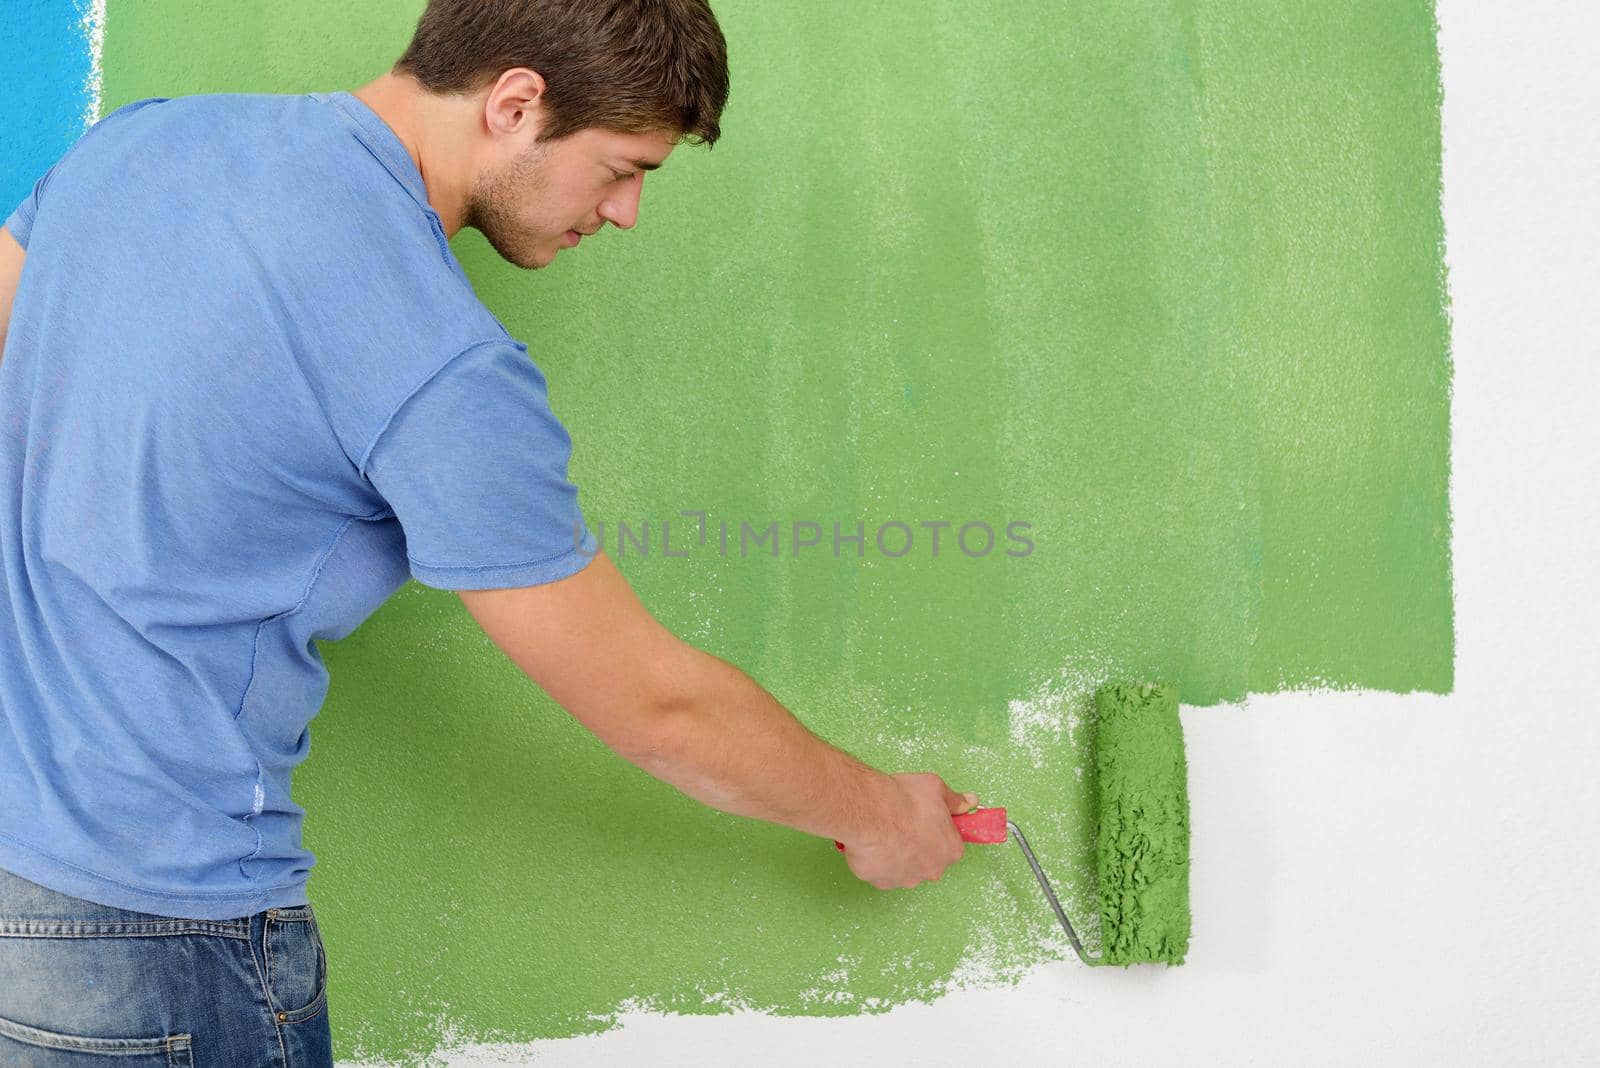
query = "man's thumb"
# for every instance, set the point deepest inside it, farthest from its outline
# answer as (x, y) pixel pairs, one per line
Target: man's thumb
(961, 802)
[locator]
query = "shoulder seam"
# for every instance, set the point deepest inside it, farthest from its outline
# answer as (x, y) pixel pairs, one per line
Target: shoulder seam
(366, 454)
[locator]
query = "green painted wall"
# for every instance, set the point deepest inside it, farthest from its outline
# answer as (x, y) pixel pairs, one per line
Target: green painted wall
(1162, 280)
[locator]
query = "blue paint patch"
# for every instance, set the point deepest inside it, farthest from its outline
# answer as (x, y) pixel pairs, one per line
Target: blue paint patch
(44, 93)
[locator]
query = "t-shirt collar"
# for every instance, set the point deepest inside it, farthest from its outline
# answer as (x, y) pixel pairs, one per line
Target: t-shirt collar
(383, 142)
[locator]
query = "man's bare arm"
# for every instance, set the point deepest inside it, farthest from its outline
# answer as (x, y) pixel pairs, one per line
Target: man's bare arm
(685, 716)
(11, 256)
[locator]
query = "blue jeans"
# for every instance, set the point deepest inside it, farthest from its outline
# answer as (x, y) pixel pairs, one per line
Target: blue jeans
(90, 986)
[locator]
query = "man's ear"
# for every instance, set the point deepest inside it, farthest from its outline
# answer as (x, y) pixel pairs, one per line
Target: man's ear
(514, 102)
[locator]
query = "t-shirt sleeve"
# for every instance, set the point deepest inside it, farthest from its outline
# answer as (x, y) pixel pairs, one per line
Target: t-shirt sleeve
(474, 464)
(20, 222)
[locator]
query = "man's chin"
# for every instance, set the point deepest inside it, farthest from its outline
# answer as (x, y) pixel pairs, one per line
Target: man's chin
(540, 257)
(528, 258)
(530, 262)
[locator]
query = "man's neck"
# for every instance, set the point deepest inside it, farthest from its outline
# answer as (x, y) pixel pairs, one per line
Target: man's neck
(431, 128)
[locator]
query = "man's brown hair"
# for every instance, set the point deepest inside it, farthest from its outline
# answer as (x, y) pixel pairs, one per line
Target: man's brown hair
(622, 65)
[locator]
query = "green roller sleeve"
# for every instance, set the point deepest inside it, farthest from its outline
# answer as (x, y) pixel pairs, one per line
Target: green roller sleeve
(1142, 845)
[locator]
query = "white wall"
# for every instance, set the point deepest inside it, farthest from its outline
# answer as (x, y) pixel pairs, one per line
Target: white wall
(1433, 899)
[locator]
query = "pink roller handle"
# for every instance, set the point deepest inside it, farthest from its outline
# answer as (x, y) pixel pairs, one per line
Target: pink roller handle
(984, 826)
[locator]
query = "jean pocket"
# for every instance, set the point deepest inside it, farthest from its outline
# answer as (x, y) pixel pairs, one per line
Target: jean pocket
(296, 963)
(21, 1044)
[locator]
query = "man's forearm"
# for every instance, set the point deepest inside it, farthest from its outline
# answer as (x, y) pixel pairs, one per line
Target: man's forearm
(731, 745)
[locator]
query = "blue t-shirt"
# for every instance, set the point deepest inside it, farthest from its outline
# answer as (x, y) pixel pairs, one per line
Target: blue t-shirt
(247, 392)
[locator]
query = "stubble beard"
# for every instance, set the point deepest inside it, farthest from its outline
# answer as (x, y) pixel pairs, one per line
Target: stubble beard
(491, 207)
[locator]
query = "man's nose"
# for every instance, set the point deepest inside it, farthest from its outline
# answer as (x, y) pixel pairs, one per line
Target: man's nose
(622, 210)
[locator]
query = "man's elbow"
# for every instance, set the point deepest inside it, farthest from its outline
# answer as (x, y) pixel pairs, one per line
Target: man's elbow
(670, 686)
(588, 642)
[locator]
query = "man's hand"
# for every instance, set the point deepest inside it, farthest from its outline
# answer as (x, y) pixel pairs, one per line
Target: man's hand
(918, 840)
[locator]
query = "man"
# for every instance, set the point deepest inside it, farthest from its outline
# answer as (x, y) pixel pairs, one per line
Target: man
(247, 392)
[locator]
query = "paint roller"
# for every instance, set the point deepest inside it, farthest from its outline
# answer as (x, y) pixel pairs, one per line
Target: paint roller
(1141, 820)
